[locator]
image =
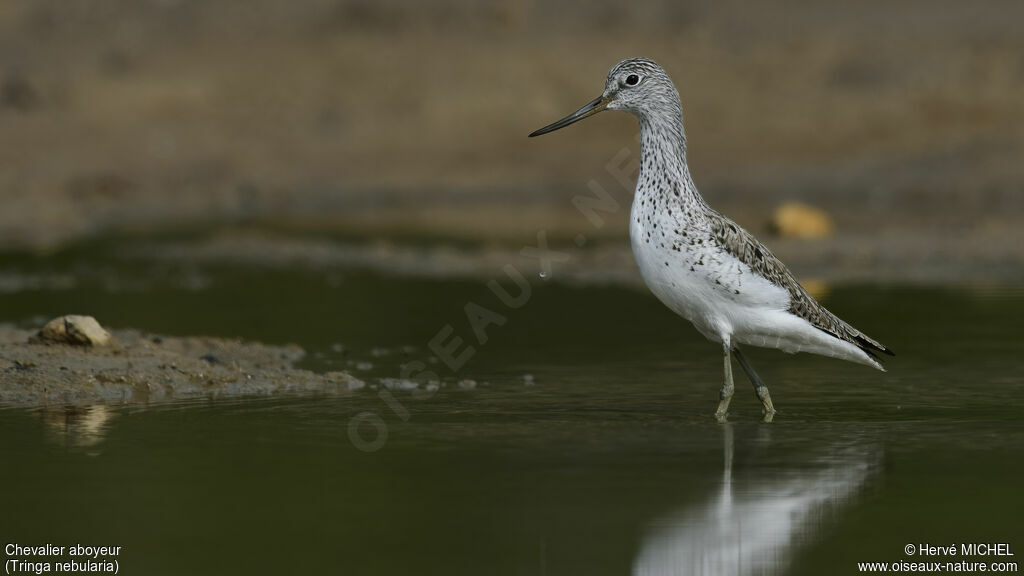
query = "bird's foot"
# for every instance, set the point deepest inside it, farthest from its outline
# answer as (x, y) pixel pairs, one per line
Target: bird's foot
(766, 403)
(722, 414)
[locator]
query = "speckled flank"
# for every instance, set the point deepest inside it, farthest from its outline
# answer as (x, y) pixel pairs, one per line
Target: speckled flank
(752, 252)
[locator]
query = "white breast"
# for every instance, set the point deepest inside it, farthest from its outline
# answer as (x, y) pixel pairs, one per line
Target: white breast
(695, 278)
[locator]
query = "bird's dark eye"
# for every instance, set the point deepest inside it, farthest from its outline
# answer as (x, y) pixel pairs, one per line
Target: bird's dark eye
(632, 80)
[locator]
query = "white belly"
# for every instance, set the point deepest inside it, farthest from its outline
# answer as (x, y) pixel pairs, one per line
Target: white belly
(720, 294)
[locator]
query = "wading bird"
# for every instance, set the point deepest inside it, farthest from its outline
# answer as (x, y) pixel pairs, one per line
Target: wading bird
(700, 264)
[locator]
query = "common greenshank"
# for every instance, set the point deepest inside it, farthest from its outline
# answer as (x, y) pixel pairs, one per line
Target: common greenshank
(702, 265)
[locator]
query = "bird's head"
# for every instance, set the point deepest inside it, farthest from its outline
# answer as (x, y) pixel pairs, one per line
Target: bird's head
(636, 85)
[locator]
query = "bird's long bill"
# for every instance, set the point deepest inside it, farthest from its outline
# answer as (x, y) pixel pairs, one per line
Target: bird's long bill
(589, 109)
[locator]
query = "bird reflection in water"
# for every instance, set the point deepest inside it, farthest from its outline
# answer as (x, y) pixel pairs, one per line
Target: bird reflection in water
(752, 525)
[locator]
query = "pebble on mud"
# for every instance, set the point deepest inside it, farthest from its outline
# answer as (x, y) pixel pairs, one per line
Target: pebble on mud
(75, 330)
(797, 220)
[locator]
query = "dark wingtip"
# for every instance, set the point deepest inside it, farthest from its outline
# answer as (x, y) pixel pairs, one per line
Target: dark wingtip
(866, 344)
(871, 347)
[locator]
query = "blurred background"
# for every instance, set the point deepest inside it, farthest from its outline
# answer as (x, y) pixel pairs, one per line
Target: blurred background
(406, 123)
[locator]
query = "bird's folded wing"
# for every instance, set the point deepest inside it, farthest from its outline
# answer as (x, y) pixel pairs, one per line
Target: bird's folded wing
(753, 253)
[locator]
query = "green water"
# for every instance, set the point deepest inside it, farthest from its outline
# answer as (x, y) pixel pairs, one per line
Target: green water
(586, 446)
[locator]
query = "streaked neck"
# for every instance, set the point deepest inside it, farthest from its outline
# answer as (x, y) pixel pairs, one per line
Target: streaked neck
(663, 167)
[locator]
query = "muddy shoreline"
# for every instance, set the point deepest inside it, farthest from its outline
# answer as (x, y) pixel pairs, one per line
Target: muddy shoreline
(142, 368)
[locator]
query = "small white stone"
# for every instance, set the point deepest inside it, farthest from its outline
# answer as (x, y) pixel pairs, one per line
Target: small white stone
(74, 329)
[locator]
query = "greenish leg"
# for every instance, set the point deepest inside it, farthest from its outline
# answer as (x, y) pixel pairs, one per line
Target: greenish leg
(725, 396)
(759, 387)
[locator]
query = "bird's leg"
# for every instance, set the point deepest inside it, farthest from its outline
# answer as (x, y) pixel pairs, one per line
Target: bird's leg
(725, 396)
(759, 387)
